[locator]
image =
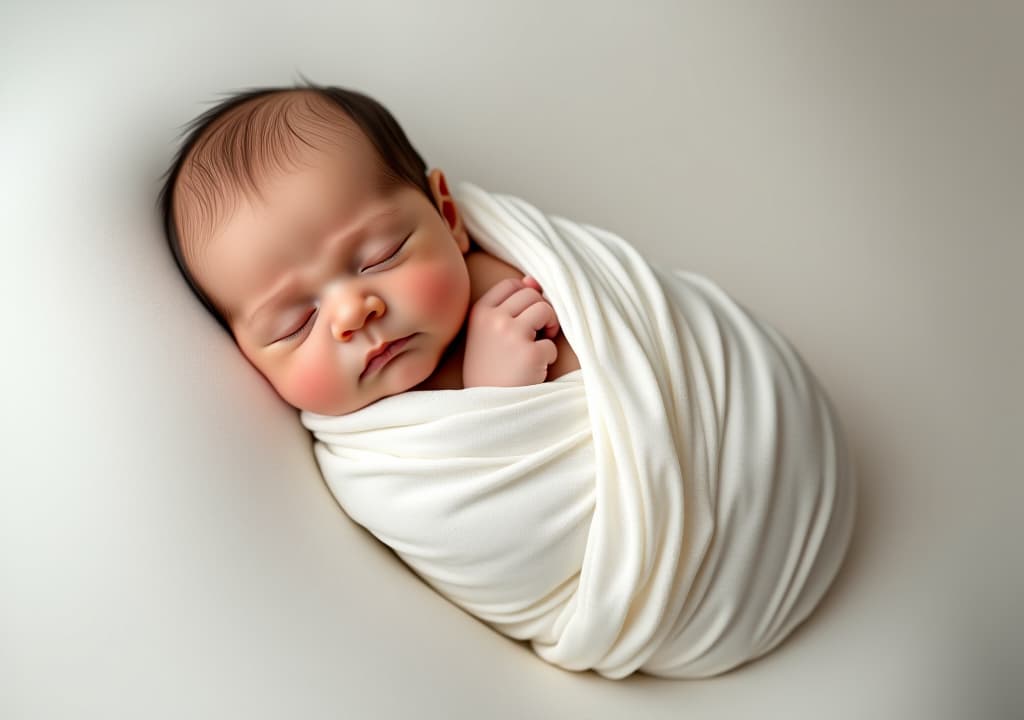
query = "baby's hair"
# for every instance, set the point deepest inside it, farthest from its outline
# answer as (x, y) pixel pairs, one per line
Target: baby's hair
(232, 145)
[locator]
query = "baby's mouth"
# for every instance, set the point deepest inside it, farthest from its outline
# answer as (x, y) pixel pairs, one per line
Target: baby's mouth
(382, 355)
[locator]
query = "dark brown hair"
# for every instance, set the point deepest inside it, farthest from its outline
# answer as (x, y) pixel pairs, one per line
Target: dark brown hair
(400, 162)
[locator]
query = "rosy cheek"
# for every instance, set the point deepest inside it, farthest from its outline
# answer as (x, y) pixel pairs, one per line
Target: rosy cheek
(309, 385)
(442, 289)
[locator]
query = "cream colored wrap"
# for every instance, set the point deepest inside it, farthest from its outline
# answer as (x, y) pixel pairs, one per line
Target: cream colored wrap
(675, 507)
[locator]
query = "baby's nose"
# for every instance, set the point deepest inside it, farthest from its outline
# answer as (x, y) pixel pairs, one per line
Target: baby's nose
(352, 316)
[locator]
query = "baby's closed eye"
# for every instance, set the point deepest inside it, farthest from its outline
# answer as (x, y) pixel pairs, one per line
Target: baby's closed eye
(300, 327)
(389, 254)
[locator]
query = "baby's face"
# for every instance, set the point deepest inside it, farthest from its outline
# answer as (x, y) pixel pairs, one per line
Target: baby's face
(324, 272)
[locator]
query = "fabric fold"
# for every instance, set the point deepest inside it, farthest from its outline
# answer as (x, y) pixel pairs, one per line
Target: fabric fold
(677, 506)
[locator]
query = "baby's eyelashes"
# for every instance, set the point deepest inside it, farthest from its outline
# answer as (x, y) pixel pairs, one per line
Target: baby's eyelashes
(388, 256)
(299, 329)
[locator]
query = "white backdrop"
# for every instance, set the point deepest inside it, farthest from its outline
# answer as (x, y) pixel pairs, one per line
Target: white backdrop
(854, 173)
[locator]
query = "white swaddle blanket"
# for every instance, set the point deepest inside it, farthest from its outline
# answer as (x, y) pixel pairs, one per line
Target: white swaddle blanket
(677, 506)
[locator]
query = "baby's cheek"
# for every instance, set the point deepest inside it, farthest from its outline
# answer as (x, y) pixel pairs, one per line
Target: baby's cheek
(309, 386)
(442, 288)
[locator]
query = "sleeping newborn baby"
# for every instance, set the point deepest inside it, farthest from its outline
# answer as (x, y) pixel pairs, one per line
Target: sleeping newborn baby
(345, 277)
(617, 464)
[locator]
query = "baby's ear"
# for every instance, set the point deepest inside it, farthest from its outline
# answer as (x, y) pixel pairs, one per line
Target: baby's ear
(448, 208)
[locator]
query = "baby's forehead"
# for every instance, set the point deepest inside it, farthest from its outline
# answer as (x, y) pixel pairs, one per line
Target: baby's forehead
(239, 153)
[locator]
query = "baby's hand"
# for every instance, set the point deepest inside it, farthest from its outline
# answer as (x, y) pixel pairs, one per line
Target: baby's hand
(503, 346)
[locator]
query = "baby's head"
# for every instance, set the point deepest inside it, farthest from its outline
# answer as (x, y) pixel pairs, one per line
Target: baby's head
(308, 225)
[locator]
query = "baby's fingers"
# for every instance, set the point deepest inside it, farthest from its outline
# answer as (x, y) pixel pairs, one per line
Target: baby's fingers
(548, 351)
(540, 316)
(531, 282)
(550, 329)
(518, 301)
(500, 292)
